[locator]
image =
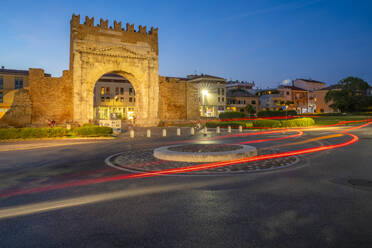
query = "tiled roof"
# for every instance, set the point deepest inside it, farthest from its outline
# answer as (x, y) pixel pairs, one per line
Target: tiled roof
(192, 77)
(310, 81)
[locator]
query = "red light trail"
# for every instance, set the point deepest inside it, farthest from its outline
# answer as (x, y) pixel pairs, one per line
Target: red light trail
(353, 139)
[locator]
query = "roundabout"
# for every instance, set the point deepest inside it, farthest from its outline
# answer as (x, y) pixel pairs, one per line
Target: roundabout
(204, 152)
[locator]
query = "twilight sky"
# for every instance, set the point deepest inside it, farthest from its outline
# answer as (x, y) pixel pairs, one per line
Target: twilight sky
(266, 41)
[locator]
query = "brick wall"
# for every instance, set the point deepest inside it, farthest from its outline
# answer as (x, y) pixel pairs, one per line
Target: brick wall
(177, 100)
(19, 113)
(52, 98)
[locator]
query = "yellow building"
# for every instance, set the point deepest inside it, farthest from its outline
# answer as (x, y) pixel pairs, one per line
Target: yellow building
(114, 98)
(10, 81)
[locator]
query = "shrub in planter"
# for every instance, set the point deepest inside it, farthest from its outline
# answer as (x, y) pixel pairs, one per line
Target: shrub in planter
(92, 130)
(266, 123)
(299, 122)
(231, 115)
(30, 132)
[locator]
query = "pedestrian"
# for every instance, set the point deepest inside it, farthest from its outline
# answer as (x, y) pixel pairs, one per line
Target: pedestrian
(53, 123)
(49, 123)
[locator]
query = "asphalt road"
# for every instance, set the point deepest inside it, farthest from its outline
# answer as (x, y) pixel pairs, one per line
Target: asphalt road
(311, 204)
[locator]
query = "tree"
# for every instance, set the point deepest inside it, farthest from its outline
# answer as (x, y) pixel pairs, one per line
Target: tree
(250, 109)
(350, 96)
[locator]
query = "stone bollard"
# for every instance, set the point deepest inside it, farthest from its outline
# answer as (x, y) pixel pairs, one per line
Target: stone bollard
(229, 129)
(240, 129)
(164, 132)
(148, 133)
(178, 131)
(131, 133)
(218, 130)
(192, 131)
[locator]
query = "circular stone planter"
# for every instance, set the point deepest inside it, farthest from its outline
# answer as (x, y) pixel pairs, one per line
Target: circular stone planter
(204, 152)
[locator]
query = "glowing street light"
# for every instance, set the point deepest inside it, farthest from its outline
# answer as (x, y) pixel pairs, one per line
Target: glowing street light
(205, 92)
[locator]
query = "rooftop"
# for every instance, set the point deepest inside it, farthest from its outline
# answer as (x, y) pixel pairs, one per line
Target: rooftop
(17, 72)
(238, 93)
(310, 81)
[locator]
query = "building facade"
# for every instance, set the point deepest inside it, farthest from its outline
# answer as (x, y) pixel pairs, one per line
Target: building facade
(238, 99)
(114, 98)
(211, 91)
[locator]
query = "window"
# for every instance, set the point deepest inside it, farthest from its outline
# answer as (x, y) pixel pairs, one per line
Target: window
(253, 102)
(102, 99)
(243, 101)
(1, 83)
(130, 99)
(223, 91)
(108, 90)
(1, 97)
(219, 99)
(287, 92)
(117, 90)
(122, 99)
(218, 90)
(18, 83)
(102, 90)
(107, 99)
(130, 91)
(223, 99)
(121, 91)
(134, 99)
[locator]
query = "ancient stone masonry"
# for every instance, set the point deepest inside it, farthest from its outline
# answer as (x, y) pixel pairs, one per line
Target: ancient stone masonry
(96, 50)
(51, 97)
(101, 49)
(19, 115)
(178, 100)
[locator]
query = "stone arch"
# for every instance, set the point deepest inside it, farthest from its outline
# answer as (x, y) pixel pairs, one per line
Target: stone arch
(96, 51)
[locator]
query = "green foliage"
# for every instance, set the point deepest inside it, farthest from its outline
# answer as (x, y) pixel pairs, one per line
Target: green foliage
(233, 124)
(270, 113)
(28, 132)
(298, 122)
(351, 97)
(250, 109)
(231, 115)
(266, 123)
(92, 130)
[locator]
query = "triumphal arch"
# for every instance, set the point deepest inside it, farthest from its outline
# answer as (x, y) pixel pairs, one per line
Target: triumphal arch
(96, 50)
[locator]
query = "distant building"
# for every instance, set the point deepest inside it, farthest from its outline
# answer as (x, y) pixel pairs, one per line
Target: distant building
(211, 92)
(240, 85)
(238, 99)
(114, 98)
(270, 99)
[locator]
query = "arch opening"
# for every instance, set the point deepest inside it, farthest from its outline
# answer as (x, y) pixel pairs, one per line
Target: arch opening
(114, 98)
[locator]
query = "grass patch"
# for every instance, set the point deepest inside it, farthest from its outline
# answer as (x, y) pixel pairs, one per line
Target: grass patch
(329, 120)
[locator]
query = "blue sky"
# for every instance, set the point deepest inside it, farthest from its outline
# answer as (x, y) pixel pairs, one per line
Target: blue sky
(265, 41)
